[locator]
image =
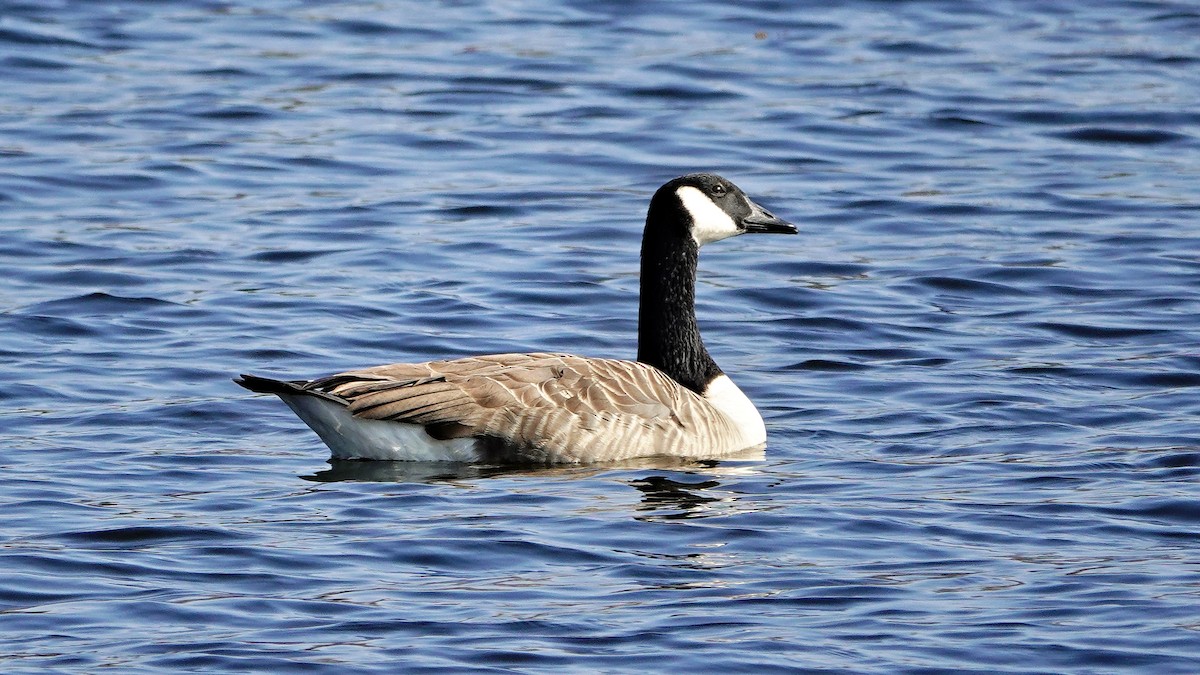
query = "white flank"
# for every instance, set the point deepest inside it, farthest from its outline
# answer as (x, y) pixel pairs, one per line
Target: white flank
(725, 396)
(351, 437)
(709, 221)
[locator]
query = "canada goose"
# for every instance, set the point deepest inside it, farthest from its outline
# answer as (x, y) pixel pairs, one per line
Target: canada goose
(555, 408)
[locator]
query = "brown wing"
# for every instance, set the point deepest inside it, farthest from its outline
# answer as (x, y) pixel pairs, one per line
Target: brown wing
(542, 407)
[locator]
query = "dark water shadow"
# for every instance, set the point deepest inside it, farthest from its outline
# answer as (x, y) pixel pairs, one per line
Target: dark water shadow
(670, 488)
(432, 472)
(665, 498)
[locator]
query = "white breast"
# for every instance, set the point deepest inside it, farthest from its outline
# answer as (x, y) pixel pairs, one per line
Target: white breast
(725, 396)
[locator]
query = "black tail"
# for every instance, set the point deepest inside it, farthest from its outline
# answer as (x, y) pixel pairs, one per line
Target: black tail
(265, 385)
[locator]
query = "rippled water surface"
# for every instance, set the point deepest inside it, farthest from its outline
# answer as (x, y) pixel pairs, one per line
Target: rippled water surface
(979, 364)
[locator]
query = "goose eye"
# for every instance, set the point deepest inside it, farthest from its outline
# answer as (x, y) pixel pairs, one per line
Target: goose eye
(718, 190)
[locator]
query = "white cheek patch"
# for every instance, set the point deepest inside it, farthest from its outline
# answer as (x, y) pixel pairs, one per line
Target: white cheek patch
(709, 221)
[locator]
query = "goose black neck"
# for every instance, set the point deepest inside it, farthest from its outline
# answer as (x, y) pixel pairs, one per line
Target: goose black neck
(668, 336)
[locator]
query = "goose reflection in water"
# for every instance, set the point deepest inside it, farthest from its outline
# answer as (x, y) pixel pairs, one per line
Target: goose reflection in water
(672, 488)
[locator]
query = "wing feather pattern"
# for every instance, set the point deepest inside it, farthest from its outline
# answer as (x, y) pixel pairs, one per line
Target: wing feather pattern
(541, 407)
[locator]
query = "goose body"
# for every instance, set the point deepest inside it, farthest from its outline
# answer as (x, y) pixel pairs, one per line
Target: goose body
(556, 408)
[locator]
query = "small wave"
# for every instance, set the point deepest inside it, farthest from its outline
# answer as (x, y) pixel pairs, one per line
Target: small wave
(90, 304)
(1124, 136)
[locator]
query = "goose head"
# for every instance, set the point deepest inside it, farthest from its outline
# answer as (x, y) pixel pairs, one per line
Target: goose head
(705, 207)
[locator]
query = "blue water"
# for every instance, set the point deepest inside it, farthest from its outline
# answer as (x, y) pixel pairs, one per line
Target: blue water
(979, 364)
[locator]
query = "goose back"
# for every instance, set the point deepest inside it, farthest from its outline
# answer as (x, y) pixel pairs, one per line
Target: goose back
(541, 407)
